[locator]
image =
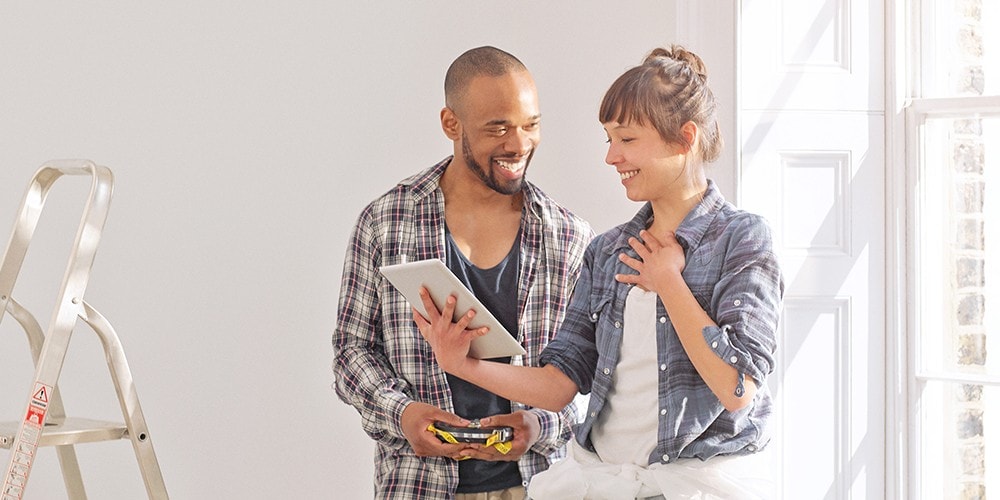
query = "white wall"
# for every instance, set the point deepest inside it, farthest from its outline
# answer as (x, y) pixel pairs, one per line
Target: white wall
(245, 138)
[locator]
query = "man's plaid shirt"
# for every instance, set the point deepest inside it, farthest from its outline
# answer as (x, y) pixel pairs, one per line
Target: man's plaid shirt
(382, 363)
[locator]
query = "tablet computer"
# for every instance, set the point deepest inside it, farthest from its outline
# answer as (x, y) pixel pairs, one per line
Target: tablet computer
(440, 282)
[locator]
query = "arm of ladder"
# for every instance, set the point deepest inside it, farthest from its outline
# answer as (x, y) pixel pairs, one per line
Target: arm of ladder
(88, 234)
(121, 377)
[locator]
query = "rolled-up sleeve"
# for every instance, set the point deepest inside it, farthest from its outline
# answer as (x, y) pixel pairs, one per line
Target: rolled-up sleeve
(553, 434)
(573, 350)
(747, 301)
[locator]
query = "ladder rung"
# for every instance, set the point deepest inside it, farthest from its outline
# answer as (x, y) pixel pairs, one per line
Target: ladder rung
(71, 431)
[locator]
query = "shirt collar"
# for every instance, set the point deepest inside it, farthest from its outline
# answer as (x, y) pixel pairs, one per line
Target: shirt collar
(696, 223)
(692, 228)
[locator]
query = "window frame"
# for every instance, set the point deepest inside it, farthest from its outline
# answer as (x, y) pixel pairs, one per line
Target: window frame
(907, 113)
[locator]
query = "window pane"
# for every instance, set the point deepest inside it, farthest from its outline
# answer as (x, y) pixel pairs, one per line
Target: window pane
(960, 48)
(959, 441)
(958, 306)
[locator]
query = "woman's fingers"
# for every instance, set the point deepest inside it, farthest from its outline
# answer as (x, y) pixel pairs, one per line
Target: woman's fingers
(639, 247)
(466, 318)
(429, 305)
(434, 316)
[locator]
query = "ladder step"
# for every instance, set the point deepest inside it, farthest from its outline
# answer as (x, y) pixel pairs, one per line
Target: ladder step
(71, 431)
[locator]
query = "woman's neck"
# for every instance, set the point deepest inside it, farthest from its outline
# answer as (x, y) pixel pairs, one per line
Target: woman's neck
(670, 211)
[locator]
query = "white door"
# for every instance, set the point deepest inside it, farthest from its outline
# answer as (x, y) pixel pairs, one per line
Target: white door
(812, 162)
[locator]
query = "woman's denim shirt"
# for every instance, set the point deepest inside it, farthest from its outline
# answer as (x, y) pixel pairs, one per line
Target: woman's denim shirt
(732, 271)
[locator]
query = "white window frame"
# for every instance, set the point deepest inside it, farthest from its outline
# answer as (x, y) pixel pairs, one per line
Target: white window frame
(906, 116)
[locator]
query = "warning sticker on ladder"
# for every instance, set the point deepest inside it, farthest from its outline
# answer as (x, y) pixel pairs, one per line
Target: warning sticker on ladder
(41, 394)
(38, 405)
(26, 443)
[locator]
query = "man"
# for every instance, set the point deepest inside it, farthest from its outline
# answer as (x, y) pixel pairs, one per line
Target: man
(517, 249)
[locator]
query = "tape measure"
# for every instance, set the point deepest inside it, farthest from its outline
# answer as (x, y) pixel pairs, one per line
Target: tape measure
(497, 437)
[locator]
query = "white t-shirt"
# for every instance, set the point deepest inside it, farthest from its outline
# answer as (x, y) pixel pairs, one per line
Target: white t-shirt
(626, 431)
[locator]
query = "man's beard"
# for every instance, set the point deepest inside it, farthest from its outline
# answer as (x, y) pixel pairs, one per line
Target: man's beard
(512, 187)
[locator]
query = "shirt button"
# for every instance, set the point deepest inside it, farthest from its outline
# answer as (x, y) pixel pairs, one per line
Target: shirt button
(593, 414)
(607, 371)
(737, 302)
(733, 359)
(663, 319)
(666, 458)
(593, 316)
(751, 448)
(663, 367)
(715, 344)
(663, 411)
(618, 324)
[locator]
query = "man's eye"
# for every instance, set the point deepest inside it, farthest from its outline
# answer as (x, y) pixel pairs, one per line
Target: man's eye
(531, 126)
(498, 131)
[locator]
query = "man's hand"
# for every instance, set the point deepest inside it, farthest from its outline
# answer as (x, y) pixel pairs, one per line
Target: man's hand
(415, 419)
(526, 431)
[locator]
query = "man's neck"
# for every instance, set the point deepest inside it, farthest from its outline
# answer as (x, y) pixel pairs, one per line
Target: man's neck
(483, 223)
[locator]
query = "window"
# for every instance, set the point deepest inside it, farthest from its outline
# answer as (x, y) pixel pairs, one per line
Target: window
(953, 181)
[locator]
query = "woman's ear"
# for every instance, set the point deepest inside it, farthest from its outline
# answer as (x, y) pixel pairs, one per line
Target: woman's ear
(691, 134)
(450, 124)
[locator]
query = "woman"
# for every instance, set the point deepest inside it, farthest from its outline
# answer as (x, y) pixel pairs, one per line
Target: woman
(671, 328)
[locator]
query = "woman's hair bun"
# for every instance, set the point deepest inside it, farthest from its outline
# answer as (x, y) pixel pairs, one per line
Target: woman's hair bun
(679, 54)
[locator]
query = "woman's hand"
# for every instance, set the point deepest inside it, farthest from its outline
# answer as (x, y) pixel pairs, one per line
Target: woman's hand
(450, 341)
(659, 263)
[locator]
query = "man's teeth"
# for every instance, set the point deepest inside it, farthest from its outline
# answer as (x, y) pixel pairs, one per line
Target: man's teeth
(629, 174)
(511, 166)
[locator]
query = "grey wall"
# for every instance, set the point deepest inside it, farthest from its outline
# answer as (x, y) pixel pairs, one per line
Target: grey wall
(245, 138)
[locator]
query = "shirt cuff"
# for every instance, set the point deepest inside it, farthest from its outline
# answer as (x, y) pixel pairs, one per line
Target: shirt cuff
(718, 338)
(549, 433)
(393, 405)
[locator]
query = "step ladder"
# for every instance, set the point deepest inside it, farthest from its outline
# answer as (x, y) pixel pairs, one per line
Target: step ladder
(45, 422)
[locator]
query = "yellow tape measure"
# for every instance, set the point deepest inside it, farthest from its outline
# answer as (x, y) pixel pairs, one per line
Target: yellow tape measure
(499, 438)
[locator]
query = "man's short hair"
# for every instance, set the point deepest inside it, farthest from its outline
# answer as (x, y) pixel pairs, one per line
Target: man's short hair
(480, 61)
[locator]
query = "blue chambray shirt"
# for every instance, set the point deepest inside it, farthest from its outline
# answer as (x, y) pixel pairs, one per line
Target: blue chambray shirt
(733, 273)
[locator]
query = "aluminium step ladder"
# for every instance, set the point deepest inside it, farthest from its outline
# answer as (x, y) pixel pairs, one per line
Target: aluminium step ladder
(44, 422)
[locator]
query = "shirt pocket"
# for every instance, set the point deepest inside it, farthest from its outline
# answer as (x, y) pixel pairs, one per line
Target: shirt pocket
(600, 306)
(606, 340)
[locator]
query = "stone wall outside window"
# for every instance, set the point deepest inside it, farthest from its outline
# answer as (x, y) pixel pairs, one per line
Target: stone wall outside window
(968, 255)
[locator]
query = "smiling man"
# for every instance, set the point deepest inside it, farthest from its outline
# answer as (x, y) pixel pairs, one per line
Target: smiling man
(512, 245)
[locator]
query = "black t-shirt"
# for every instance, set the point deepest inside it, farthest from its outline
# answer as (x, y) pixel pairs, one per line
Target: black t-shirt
(496, 288)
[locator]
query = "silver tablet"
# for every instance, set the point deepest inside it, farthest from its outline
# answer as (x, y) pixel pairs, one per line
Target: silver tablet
(440, 282)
